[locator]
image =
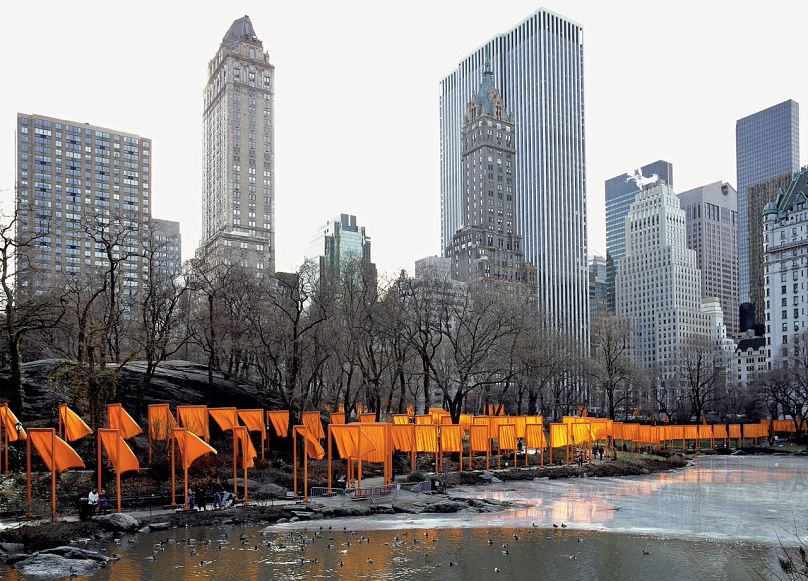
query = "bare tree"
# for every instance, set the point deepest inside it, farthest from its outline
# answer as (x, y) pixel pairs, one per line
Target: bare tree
(699, 370)
(609, 367)
(26, 306)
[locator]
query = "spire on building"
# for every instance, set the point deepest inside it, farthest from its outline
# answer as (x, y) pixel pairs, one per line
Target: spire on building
(240, 31)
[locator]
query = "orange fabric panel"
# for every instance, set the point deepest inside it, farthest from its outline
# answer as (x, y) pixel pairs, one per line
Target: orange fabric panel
(574, 420)
(161, 422)
(720, 431)
(759, 430)
(705, 432)
(341, 408)
(253, 420)
(466, 421)
(400, 419)
(581, 432)
(446, 420)
(426, 438)
(478, 440)
(403, 437)
(337, 418)
(55, 452)
(784, 426)
(74, 426)
(376, 434)
(190, 446)
(247, 451)
(617, 430)
(195, 418)
(410, 410)
(691, 433)
(119, 419)
(451, 438)
(423, 420)
(735, 431)
(360, 408)
(560, 435)
(495, 422)
(600, 428)
(519, 423)
(10, 422)
(369, 418)
(347, 436)
(280, 421)
(631, 432)
(314, 450)
(534, 436)
(314, 424)
(677, 432)
(226, 418)
(481, 421)
(118, 451)
(506, 437)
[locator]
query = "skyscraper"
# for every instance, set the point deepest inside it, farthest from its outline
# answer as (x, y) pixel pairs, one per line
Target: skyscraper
(620, 194)
(786, 245)
(659, 285)
(238, 218)
(75, 181)
(489, 245)
(168, 246)
(711, 218)
(538, 68)
(767, 146)
(598, 305)
(339, 244)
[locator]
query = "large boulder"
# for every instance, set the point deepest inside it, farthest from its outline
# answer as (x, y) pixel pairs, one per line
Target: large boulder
(174, 382)
(62, 562)
(118, 521)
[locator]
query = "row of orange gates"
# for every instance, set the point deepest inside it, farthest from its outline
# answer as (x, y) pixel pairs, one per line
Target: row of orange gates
(365, 441)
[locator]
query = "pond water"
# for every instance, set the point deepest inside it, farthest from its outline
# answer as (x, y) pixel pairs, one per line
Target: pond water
(718, 520)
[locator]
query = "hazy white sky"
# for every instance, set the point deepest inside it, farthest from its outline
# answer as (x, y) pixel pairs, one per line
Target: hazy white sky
(357, 95)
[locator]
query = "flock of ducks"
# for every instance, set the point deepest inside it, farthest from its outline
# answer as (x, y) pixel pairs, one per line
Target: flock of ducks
(301, 539)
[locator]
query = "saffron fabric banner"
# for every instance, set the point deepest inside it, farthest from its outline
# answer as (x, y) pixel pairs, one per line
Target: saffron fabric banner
(195, 418)
(11, 423)
(280, 421)
(74, 426)
(118, 451)
(119, 419)
(315, 426)
(191, 447)
(55, 452)
(161, 422)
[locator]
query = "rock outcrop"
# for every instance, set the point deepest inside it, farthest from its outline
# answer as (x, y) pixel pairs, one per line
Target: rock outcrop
(62, 562)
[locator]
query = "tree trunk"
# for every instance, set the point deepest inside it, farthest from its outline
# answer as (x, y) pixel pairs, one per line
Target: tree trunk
(17, 391)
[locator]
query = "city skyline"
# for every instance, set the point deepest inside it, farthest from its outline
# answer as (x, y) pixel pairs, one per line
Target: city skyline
(171, 115)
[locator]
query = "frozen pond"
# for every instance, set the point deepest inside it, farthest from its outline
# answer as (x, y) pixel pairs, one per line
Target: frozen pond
(718, 520)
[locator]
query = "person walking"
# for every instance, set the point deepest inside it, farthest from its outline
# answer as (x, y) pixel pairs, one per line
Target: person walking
(201, 500)
(92, 500)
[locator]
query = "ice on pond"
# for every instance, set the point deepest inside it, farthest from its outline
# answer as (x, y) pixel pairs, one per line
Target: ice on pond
(750, 498)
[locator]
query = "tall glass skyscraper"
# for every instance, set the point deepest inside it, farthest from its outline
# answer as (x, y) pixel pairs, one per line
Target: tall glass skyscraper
(767, 146)
(620, 194)
(538, 67)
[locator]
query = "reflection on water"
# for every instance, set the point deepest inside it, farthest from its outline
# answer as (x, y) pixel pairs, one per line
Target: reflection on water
(468, 554)
(718, 520)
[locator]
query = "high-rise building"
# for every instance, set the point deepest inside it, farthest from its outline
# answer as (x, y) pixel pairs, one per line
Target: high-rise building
(659, 286)
(74, 181)
(711, 212)
(538, 68)
(339, 244)
(238, 218)
(167, 243)
(489, 245)
(437, 267)
(620, 193)
(767, 145)
(598, 299)
(758, 195)
(785, 234)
